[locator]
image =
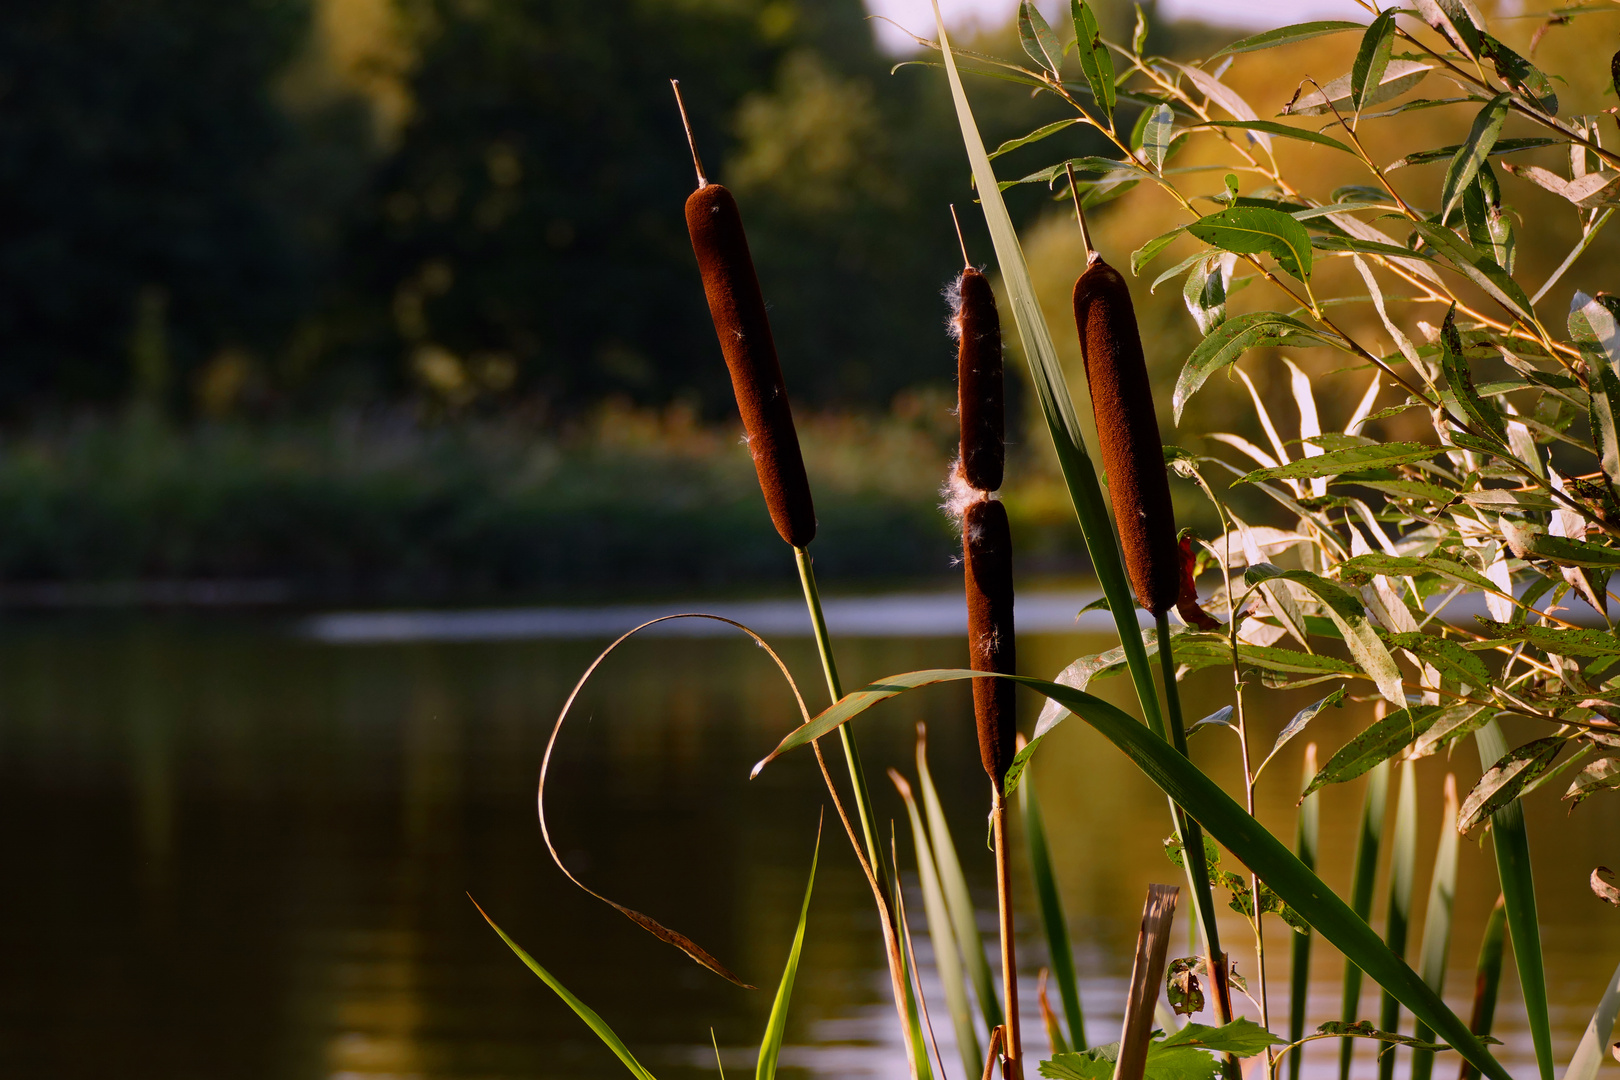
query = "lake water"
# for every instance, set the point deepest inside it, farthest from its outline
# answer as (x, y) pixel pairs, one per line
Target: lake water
(244, 848)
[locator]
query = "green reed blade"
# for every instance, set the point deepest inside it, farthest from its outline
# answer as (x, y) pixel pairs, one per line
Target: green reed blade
(1306, 833)
(1595, 1041)
(1231, 826)
(1512, 844)
(1362, 878)
(916, 1042)
(1437, 923)
(582, 1010)
(957, 898)
(1398, 915)
(947, 959)
(1487, 980)
(770, 1047)
(1053, 920)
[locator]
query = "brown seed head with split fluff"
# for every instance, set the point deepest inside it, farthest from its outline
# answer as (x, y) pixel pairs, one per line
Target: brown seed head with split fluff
(987, 563)
(981, 404)
(1128, 431)
(738, 310)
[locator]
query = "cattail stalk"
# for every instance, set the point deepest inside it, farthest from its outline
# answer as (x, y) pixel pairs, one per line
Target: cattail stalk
(988, 584)
(1133, 458)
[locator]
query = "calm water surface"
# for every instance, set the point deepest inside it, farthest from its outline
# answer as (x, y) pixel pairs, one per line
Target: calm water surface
(234, 852)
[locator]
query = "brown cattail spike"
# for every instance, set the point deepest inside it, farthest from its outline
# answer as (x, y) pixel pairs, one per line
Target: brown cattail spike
(981, 405)
(987, 550)
(1128, 431)
(738, 310)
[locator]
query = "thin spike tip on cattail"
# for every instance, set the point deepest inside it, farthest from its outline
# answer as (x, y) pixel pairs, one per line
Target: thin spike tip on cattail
(691, 142)
(738, 310)
(1080, 217)
(967, 263)
(1128, 434)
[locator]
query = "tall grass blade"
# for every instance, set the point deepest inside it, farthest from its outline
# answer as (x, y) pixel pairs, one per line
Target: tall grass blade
(1594, 1044)
(770, 1047)
(1052, 917)
(1306, 833)
(1232, 826)
(1063, 425)
(947, 959)
(1437, 923)
(1512, 844)
(957, 898)
(915, 1009)
(582, 1010)
(1362, 878)
(1398, 915)
(1487, 980)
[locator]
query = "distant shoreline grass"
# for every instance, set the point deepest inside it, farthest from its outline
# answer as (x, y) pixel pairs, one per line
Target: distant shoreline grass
(131, 511)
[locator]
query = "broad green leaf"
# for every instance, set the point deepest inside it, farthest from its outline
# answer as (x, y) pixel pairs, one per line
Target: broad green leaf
(1349, 460)
(1225, 820)
(1477, 268)
(1033, 137)
(1156, 135)
(1285, 34)
(770, 1047)
(1362, 568)
(1504, 780)
(1455, 366)
(1381, 740)
(1037, 38)
(1399, 77)
(1271, 127)
(1251, 230)
(1598, 1036)
(1235, 337)
(1095, 60)
(1242, 1037)
(1150, 250)
(1512, 845)
(1481, 137)
(1449, 657)
(1445, 153)
(1371, 58)
(582, 1010)
(1053, 920)
(1351, 619)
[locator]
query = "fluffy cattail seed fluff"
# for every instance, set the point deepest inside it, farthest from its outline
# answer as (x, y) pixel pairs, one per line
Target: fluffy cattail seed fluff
(987, 563)
(1128, 431)
(980, 398)
(738, 310)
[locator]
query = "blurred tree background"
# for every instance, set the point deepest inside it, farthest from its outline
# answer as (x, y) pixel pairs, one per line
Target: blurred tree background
(387, 299)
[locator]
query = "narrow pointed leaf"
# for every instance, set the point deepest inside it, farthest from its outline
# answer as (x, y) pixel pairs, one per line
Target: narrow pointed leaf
(1398, 910)
(1037, 38)
(1481, 137)
(1363, 874)
(1284, 34)
(1381, 740)
(1053, 920)
(1436, 947)
(1307, 832)
(1599, 1035)
(770, 1047)
(1233, 338)
(1372, 58)
(1095, 60)
(1350, 617)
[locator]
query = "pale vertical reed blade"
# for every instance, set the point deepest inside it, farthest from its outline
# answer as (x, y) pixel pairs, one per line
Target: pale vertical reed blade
(1437, 923)
(954, 885)
(1487, 981)
(1147, 975)
(1053, 920)
(1306, 834)
(1598, 1036)
(1362, 879)
(915, 1011)
(947, 959)
(1512, 846)
(1398, 913)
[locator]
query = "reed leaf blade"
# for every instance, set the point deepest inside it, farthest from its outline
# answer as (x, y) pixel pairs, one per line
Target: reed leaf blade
(1306, 837)
(770, 1047)
(1363, 874)
(1053, 921)
(1436, 945)
(1398, 915)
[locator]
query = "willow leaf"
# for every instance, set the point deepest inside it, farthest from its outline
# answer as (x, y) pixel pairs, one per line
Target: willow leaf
(1233, 338)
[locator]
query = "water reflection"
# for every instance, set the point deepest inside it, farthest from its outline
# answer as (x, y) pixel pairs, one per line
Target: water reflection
(238, 853)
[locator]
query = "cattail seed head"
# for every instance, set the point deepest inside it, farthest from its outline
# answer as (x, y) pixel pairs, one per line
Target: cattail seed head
(738, 311)
(1128, 432)
(987, 570)
(981, 405)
